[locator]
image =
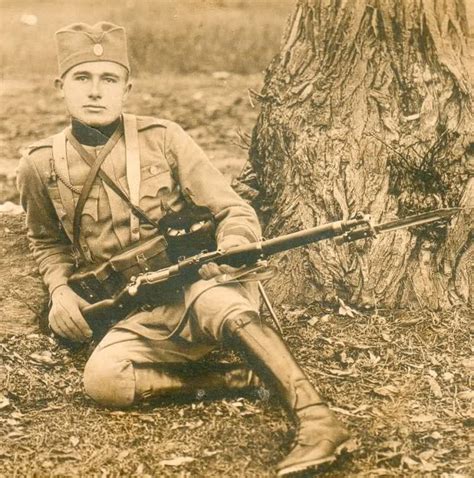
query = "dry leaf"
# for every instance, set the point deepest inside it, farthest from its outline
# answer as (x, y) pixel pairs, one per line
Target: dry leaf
(123, 454)
(409, 462)
(4, 402)
(423, 418)
(344, 309)
(146, 418)
(44, 357)
(207, 453)
(386, 390)
(469, 363)
(428, 466)
(435, 388)
(74, 441)
(343, 373)
(466, 395)
(179, 461)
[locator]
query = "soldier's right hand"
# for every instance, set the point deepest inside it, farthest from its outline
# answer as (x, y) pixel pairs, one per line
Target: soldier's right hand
(65, 317)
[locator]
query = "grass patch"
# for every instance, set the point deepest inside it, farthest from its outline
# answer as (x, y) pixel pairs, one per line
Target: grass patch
(239, 36)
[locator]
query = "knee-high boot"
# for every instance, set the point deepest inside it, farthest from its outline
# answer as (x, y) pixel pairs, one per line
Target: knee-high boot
(319, 436)
(192, 380)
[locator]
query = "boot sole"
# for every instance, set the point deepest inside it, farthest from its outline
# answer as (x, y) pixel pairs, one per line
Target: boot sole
(349, 446)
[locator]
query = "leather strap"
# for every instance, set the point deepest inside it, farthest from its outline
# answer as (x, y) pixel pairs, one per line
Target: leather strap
(132, 158)
(89, 159)
(95, 164)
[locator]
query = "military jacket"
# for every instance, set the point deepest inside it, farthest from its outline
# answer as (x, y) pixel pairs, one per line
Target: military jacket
(172, 167)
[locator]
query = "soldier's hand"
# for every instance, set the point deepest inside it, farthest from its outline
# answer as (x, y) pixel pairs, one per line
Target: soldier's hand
(65, 317)
(208, 271)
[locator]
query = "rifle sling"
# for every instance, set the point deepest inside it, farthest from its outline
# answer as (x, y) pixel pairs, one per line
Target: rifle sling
(95, 171)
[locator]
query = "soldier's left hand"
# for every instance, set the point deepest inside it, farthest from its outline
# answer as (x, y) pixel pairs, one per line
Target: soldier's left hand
(208, 271)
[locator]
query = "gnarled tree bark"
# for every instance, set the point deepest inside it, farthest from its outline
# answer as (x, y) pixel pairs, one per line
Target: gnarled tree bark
(368, 108)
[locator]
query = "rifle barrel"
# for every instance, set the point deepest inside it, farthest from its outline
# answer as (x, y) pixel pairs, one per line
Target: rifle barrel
(302, 238)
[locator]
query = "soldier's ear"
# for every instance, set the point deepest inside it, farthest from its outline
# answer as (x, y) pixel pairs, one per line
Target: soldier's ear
(59, 84)
(128, 88)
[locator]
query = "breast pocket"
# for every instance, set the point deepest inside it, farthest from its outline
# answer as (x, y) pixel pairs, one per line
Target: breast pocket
(155, 183)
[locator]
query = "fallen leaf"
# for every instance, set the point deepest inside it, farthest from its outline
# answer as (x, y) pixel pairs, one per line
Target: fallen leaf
(344, 309)
(409, 462)
(140, 468)
(313, 321)
(448, 376)
(423, 418)
(386, 390)
(426, 455)
(436, 436)
(207, 453)
(179, 461)
(44, 357)
(123, 454)
(12, 422)
(466, 395)
(146, 418)
(435, 388)
(343, 373)
(74, 441)
(469, 363)
(4, 402)
(428, 466)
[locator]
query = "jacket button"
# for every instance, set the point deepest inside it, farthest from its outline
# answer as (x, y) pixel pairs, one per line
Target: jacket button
(135, 230)
(154, 169)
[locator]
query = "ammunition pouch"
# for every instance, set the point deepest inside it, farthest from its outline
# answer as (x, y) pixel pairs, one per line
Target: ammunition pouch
(183, 234)
(99, 282)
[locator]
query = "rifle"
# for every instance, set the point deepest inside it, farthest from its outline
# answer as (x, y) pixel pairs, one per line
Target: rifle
(163, 283)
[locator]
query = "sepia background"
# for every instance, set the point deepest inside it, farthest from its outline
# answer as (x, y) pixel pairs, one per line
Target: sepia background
(198, 62)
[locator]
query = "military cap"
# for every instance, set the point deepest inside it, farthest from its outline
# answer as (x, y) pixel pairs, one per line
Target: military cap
(80, 43)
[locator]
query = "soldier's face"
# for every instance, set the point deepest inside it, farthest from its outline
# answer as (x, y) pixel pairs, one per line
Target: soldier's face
(95, 92)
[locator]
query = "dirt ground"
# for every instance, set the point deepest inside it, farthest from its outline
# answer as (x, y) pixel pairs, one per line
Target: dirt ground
(399, 380)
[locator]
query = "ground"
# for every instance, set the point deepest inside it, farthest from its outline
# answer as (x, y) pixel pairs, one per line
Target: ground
(399, 380)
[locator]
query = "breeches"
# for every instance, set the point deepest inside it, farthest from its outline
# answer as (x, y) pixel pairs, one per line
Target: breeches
(110, 373)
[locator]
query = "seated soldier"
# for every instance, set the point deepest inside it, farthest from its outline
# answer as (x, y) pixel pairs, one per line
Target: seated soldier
(154, 352)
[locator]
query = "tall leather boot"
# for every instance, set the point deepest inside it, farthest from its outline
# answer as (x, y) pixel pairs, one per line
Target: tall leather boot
(320, 437)
(192, 380)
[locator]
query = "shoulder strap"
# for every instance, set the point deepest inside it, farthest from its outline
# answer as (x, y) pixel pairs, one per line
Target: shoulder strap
(136, 210)
(95, 164)
(132, 158)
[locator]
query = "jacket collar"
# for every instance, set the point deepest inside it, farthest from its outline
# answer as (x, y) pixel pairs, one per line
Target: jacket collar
(91, 136)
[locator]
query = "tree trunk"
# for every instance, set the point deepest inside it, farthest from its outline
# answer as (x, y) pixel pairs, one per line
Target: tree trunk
(368, 108)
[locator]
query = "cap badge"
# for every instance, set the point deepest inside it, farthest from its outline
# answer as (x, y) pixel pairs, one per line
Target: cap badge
(98, 49)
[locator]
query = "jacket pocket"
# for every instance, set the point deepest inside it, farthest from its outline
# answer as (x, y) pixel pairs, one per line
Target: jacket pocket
(153, 182)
